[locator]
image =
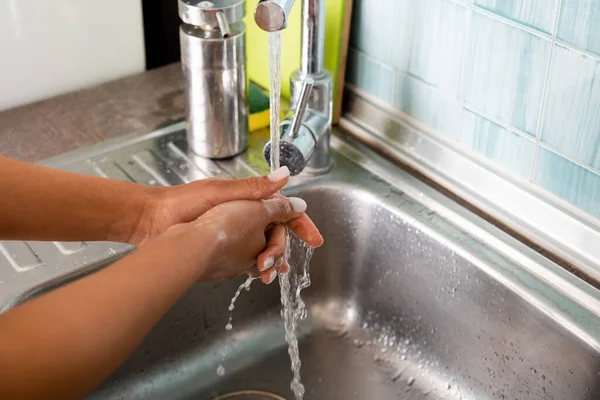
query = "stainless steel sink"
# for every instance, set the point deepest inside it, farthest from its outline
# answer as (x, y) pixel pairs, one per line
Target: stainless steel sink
(412, 297)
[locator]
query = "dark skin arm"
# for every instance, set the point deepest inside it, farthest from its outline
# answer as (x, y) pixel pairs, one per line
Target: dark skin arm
(40, 203)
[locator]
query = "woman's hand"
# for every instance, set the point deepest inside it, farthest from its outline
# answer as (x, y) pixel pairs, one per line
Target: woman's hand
(169, 206)
(230, 237)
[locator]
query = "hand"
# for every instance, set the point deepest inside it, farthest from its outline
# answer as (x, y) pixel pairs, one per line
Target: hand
(236, 235)
(169, 206)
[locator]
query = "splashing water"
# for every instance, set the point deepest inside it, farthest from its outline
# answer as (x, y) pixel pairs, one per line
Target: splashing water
(229, 326)
(245, 285)
(274, 94)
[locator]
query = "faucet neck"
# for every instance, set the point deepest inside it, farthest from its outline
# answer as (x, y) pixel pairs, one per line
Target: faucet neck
(313, 37)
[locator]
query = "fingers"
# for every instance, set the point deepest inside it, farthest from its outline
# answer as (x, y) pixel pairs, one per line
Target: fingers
(270, 260)
(280, 210)
(305, 229)
(274, 250)
(254, 188)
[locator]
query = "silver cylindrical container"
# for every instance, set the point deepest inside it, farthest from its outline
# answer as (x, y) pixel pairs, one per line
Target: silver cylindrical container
(213, 57)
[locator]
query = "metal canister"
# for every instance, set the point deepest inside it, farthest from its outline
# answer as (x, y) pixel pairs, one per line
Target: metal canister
(213, 56)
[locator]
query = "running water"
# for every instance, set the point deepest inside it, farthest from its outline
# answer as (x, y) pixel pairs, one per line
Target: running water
(298, 256)
(275, 94)
(297, 253)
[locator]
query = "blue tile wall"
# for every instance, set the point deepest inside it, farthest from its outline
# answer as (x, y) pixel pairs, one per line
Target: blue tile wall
(572, 118)
(438, 39)
(578, 24)
(537, 14)
(503, 65)
(423, 102)
(515, 81)
(369, 74)
(570, 181)
(515, 152)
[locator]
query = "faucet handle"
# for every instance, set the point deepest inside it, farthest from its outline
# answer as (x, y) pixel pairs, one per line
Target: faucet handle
(301, 105)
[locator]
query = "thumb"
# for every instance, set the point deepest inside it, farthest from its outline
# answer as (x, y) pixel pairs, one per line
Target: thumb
(256, 187)
(280, 210)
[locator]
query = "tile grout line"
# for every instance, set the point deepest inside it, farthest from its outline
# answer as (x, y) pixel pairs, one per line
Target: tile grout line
(512, 23)
(370, 58)
(544, 100)
(571, 160)
(577, 49)
(522, 134)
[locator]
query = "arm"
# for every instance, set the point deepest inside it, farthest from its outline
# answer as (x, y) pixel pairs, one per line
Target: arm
(62, 344)
(39, 203)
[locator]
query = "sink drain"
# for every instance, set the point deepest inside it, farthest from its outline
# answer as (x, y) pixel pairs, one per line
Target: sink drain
(250, 395)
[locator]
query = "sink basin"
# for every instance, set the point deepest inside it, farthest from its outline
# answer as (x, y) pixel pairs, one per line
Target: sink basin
(412, 297)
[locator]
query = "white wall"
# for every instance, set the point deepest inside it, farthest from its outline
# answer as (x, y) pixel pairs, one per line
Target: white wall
(49, 47)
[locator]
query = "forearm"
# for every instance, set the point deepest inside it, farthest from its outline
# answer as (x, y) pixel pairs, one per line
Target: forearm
(63, 344)
(39, 203)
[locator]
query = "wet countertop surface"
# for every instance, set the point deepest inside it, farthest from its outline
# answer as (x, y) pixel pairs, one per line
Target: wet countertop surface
(137, 103)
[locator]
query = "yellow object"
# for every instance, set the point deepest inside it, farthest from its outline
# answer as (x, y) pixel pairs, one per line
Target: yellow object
(259, 120)
(256, 44)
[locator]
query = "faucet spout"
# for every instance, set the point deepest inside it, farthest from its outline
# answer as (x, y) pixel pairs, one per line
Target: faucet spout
(272, 15)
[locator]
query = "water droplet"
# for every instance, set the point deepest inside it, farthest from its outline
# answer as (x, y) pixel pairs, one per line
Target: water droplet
(410, 381)
(220, 370)
(229, 326)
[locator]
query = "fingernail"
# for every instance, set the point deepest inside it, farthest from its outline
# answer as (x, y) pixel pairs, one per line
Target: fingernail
(267, 264)
(298, 204)
(272, 276)
(279, 174)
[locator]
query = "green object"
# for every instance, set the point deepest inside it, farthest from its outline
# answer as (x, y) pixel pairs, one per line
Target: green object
(258, 100)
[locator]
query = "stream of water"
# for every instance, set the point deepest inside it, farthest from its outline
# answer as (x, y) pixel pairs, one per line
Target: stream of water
(275, 94)
(297, 253)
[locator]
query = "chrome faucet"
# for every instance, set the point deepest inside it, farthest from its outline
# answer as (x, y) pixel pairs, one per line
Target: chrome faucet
(305, 133)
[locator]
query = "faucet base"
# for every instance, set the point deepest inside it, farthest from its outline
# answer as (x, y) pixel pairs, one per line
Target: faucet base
(309, 171)
(320, 102)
